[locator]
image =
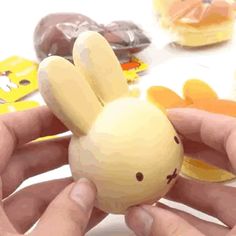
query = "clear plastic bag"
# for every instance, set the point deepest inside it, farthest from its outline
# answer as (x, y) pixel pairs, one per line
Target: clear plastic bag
(56, 33)
(196, 23)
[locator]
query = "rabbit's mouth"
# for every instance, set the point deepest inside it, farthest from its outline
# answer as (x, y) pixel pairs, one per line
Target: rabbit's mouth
(171, 177)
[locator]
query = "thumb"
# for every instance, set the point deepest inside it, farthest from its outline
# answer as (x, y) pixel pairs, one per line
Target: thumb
(148, 220)
(70, 212)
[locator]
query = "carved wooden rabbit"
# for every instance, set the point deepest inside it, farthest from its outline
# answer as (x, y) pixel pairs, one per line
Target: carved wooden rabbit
(126, 146)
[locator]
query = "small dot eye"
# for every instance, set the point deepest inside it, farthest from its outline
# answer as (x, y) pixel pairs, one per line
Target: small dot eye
(24, 82)
(139, 176)
(176, 140)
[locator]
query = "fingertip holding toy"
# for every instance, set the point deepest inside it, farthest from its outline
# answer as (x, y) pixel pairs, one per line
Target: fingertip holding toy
(196, 89)
(129, 148)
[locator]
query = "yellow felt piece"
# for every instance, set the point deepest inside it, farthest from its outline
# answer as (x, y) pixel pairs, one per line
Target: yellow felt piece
(98, 62)
(204, 172)
(165, 97)
(18, 106)
(131, 76)
(195, 89)
(133, 68)
(18, 78)
(68, 94)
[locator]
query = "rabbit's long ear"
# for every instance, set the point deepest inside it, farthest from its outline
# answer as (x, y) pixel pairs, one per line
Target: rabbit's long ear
(68, 94)
(94, 56)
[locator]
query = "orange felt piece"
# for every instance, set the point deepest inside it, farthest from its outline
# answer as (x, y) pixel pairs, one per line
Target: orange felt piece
(130, 65)
(195, 89)
(165, 97)
(220, 106)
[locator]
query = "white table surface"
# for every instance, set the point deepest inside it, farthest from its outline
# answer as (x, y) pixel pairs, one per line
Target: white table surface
(169, 66)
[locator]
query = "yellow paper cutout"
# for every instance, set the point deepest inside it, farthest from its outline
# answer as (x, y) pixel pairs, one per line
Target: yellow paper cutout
(133, 68)
(18, 106)
(18, 78)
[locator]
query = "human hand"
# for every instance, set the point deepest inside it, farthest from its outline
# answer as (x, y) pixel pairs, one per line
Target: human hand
(64, 208)
(209, 137)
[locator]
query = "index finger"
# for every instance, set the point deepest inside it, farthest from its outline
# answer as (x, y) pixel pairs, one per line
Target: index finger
(214, 130)
(19, 128)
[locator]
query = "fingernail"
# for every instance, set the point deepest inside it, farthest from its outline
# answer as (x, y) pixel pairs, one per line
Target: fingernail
(174, 111)
(83, 193)
(140, 221)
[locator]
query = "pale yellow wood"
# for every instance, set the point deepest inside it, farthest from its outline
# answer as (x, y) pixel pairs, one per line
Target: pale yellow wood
(96, 59)
(68, 94)
(130, 150)
(128, 137)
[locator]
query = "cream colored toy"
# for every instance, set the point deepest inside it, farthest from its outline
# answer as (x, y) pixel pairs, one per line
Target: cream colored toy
(199, 22)
(126, 146)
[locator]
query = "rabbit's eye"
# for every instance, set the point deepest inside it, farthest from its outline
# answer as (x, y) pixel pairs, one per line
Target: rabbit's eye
(176, 139)
(139, 176)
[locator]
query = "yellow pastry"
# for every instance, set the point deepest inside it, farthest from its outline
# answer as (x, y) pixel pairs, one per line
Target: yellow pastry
(200, 22)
